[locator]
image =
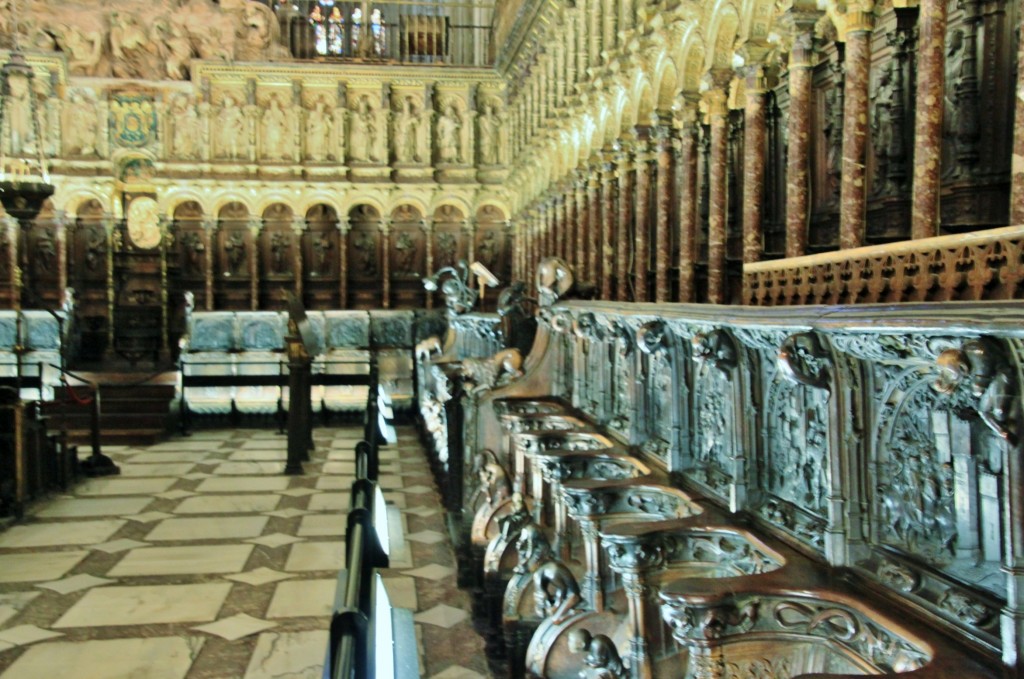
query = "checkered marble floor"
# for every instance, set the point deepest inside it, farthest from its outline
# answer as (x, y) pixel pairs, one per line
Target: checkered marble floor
(202, 561)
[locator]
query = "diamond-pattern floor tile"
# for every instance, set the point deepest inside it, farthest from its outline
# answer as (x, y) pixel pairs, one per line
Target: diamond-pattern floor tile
(288, 513)
(115, 546)
(442, 615)
(23, 635)
(236, 627)
(415, 490)
(148, 517)
(274, 540)
(299, 492)
(421, 512)
(427, 537)
(434, 571)
(75, 583)
(175, 494)
(260, 576)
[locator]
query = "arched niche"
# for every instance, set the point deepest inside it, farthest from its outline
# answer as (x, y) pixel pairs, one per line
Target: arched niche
(408, 257)
(88, 266)
(320, 248)
(278, 256)
(191, 250)
(42, 269)
(364, 258)
(234, 258)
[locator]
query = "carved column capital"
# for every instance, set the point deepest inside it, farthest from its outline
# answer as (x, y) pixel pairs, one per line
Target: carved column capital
(716, 102)
(427, 225)
(344, 225)
(634, 554)
(255, 224)
(298, 224)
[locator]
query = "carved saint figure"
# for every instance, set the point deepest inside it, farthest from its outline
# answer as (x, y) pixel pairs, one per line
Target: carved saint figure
(318, 130)
(235, 248)
(321, 249)
(487, 250)
(406, 133)
(187, 130)
(602, 659)
(84, 49)
(193, 247)
(363, 132)
(81, 125)
(231, 127)
(448, 126)
(46, 252)
(130, 47)
(275, 129)
(488, 140)
(366, 246)
(532, 547)
(405, 249)
(18, 116)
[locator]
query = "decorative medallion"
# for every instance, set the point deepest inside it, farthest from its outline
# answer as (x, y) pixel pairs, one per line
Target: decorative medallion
(144, 223)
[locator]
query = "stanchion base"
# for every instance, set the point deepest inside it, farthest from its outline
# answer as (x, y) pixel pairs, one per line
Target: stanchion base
(294, 469)
(99, 465)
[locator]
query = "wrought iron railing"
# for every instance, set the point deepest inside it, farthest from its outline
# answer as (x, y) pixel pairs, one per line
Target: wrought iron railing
(405, 32)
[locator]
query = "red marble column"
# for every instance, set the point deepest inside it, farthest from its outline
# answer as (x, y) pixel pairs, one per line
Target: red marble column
(755, 135)
(664, 196)
(642, 215)
(689, 199)
(1017, 158)
(582, 226)
(853, 190)
(608, 219)
(801, 70)
(593, 231)
(622, 242)
(931, 85)
(717, 198)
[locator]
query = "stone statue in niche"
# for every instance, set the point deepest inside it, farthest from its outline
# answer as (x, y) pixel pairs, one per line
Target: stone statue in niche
(280, 247)
(406, 134)
(187, 131)
(886, 127)
(449, 127)
(951, 107)
(234, 247)
(274, 129)
(95, 247)
(601, 658)
(556, 591)
(447, 244)
(81, 125)
(405, 249)
(18, 116)
(363, 133)
(232, 142)
(366, 248)
(45, 252)
(319, 127)
(489, 141)
(322, 247)
(487, 249)
(193, 247)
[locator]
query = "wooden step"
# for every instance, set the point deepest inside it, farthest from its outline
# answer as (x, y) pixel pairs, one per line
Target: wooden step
(116, 437)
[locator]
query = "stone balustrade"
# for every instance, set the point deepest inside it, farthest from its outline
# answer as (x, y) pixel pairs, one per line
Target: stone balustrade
(985, 265)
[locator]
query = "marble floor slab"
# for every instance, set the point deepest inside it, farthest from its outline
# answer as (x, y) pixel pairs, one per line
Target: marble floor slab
(330, 502)
(160, 469)
(295, 655)
(59, 534)
(331, 525)
(259, 455)
(227, 504)
(266, 484)
(303, 598)
(152, 658)
(248, 468)
(183, 560)
(114, 606)
(38, 566)
(71, 508)
(222, 528)
(316, 556)
(147, 457)
(124, 486)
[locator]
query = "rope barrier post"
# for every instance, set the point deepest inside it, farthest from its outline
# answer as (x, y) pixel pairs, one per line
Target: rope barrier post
(98, 464)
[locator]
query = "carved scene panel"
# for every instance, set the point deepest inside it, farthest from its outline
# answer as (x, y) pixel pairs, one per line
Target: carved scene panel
(320, 246)
(235, 255)
(364, 258)
(88, 254)
(278, 256)
(189, 255)
(449, 241)
(41, 265)
(407, 258)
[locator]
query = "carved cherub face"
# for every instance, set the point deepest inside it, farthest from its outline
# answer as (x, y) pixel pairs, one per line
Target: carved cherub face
(578, 640)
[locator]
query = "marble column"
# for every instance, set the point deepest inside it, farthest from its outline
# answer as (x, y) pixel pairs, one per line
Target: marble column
(255, 226)
(298, 228)
(853, 189)
(385, 262)
(209, 243)
(689, 199)
(642, 214)
(607, 221)
(1017, 157)
(343, 227)
(718, 201)
(427, 225)
(622, 242)
(582, 226)
(930, 98)
(755, 134)
(664, 196)
(592, 235)
(798, 154)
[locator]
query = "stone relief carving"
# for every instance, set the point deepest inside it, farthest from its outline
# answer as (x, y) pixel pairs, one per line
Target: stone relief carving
(966, 608)
(983, 367)
(601, 659)
(653, 340)
(717, 349)
(319, 131)
(232, 138)
(364, 132)
(277, 130)
(449, 135)
(489, 139)
(186, 137)
(406, 132)
(803, 360)
(82, 129)
(712, 451)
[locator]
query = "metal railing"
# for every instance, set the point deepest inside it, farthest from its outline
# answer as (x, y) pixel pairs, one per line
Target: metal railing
(403, 32)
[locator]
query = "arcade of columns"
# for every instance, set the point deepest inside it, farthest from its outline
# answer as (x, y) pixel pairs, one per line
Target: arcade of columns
(640, 129)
